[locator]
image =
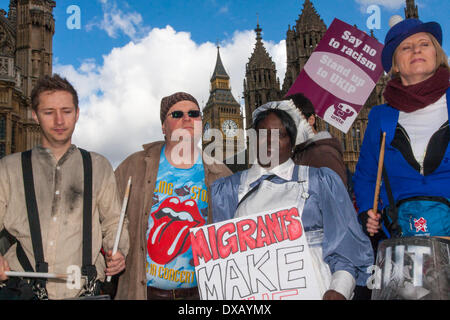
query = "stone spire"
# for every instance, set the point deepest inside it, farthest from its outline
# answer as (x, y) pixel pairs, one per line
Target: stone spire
(260, 58)
(301, 41)
(219, 70)
(411, 10)
(220, 91)
(258, 31)
(261, 84)
(12, 14)
(309, 18)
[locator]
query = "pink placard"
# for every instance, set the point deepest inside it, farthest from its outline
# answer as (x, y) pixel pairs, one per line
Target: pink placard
(340, 74)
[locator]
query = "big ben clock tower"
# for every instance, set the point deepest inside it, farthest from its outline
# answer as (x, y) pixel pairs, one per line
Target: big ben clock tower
(222, 112)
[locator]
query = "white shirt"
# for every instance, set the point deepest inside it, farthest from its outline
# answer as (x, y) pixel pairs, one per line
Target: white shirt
(284, 171)
(420, 125)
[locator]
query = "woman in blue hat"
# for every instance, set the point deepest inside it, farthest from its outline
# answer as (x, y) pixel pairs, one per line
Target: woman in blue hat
(416, 175)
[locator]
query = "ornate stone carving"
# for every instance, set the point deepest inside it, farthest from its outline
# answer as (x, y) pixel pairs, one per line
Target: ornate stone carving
(7, 42)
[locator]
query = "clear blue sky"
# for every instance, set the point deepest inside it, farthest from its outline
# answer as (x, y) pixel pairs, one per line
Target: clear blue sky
(209, 20)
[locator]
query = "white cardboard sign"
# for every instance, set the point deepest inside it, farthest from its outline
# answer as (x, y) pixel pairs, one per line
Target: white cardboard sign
(260, 257)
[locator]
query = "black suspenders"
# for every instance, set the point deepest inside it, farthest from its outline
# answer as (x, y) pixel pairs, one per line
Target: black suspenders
(33, 219)
(88, 269)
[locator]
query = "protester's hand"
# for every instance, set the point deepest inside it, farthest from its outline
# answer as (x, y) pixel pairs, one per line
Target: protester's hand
(4, 266)
(373, 222)
(333, 295)
(114, 263)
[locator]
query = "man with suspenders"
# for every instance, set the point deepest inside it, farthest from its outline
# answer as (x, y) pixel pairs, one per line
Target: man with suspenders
(59, 202)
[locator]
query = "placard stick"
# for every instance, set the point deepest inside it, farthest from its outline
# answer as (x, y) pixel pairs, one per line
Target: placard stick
(380, 170)
(122, 217)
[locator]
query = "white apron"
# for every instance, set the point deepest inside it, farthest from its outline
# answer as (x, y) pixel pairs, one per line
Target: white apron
(275, 197)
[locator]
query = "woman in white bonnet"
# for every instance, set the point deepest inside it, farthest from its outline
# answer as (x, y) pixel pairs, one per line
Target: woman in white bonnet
(337, 242)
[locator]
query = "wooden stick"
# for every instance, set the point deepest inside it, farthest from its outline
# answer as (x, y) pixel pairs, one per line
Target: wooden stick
(380, 170)
(122, 217)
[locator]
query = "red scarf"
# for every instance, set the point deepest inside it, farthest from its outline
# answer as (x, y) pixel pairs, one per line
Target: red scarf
(417, 96)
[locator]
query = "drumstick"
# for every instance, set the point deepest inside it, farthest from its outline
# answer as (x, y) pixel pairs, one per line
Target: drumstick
(70, 278)
(122, 216)
(380, 169)
(37, 275)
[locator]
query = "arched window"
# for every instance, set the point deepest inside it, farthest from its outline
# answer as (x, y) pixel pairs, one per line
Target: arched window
(358, 137)
(344, 143)
(355, 145)
(2, 127)
(14, 137)
(2, 135)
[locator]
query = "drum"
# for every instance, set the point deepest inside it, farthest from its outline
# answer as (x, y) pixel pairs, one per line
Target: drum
(412, 268)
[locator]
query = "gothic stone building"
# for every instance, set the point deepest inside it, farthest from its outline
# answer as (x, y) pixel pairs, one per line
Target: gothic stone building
(261, 85)
(26, 35)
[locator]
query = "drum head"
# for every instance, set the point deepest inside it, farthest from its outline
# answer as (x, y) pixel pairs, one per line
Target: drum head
(412, 268)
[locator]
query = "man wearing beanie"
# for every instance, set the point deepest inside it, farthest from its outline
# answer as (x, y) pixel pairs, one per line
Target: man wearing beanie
(169, 195)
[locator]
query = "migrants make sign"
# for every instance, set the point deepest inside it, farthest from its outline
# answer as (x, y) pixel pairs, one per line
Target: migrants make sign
(261, 257)
(340, 74)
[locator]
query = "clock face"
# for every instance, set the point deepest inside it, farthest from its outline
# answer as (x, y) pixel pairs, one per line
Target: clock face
(229, 127)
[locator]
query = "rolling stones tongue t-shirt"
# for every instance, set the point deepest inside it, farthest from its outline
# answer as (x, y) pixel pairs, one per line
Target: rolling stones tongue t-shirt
(180, 202)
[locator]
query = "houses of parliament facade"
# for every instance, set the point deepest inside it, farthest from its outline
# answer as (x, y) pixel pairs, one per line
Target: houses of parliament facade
(26, 35)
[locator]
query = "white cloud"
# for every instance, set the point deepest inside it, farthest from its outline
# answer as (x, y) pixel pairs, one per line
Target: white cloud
(85, 79)
(388, 4)
(120, 98)
(115, 21)
(224, 9)
(278, 53)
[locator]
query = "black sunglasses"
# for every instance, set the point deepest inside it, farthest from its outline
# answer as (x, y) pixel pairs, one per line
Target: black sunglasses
(190, 113)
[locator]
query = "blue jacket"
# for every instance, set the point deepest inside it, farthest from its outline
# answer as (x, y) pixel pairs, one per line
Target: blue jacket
(404, 174)
(328, 208)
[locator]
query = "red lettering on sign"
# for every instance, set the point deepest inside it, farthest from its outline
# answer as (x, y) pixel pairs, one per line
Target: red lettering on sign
(262, 235)
(281, 214)
(245, 236)
(231, 242)
(273, 227)
(213, 242)
(200, 247)
(294, 227)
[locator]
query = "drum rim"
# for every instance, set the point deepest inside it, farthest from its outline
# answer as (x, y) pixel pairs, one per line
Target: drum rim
(430, 238)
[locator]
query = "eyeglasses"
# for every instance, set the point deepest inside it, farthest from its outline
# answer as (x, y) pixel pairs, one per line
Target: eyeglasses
(190, 113)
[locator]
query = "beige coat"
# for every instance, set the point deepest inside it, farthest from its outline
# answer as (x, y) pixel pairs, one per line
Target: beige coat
(143, 167)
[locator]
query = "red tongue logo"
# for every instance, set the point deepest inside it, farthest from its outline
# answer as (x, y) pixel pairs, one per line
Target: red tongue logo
(169, 236)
